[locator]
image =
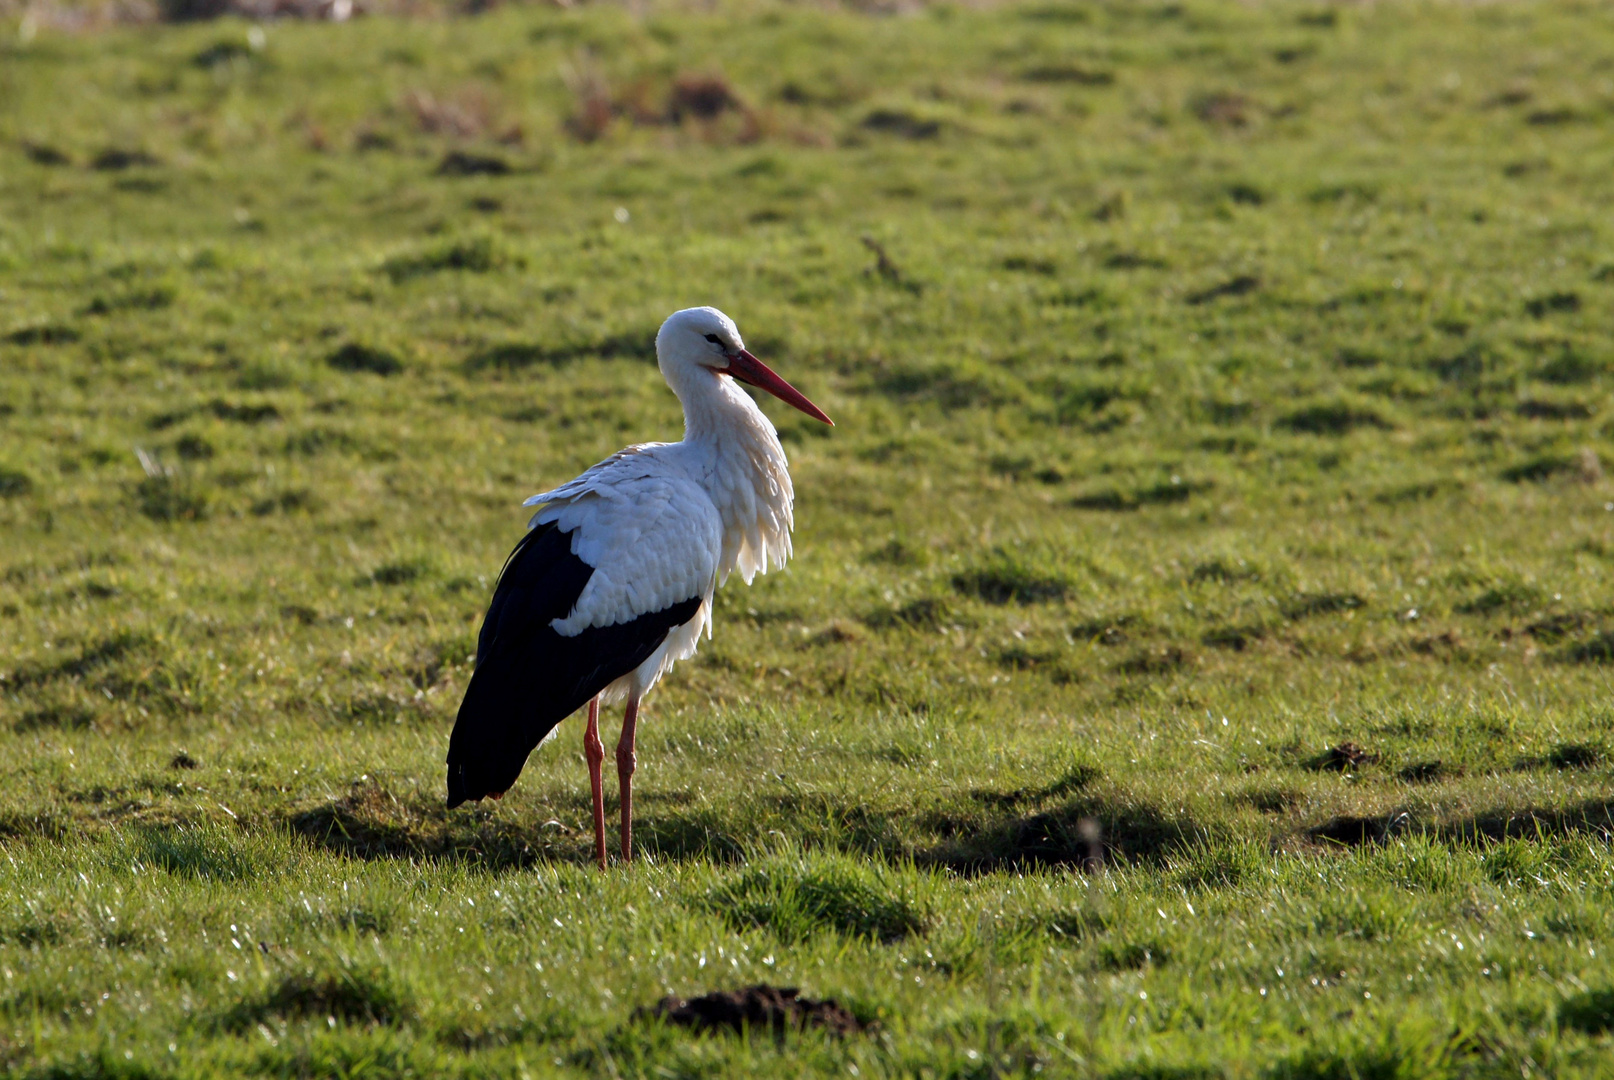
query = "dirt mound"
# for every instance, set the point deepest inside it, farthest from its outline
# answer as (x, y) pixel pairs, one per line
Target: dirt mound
(775, 1008)
(1346, 757)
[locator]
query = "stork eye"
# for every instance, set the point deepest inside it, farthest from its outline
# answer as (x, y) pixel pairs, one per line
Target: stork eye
(714, 339)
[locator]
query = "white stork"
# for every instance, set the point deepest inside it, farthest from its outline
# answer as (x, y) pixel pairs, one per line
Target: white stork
(613, 582)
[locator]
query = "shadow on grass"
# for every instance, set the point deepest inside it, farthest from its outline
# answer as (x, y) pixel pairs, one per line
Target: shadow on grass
(681, 837)
(91, 658)
(21, 825)
(925, 613)
(360, 357)
(1006, 575)
(475, 254)
(1070, 926)
(754, 1009)
(978, 836)
(825, 821)
(1080, 775)
(1349, 830)
(355, 995)
(1084, 832)
(1165, 493)
(634, 344)
(1592, 818)
(123, 665)
(980, 833)
(1335, 417)
(369, 822)
(1596, 650)
(1566, 756)
(1591, 1012)
(56, 717)
(1087, 832)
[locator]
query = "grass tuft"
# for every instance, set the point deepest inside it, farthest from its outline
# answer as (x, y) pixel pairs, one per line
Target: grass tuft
(358, 357)
(796, 898)
(1364, 917)
(1511, 596)
(1165, 493)
(348, 993)
(1335, 417)
(1583, 466)
(1132, 955)
(1405, 1052)
(474, 255)
(926, 612)
(14, 483)
(203, 853)
(1305, 605)
(402, 571)
(40, 826)
(465, 163)
(43, 334)
(1012, 575)
(1228, 865)
(168, 498)
(371, 822)
(1598, 649)
(1576, 756)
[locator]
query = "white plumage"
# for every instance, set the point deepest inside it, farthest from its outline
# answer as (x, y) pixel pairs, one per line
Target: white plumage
(614, 584)
(660, 522)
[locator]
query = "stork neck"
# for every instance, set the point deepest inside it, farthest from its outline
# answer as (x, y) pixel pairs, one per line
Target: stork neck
(718, 413)
(733, 452)
(741, 462)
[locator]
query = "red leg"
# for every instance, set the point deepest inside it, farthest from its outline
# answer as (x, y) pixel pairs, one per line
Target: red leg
(625, 761)
(594, 750)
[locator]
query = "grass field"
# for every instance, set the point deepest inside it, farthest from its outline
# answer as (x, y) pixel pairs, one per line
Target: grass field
(1196, 661)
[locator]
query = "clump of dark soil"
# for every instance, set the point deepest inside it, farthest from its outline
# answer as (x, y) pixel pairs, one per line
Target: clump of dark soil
(1346, 757)
(705, 97)
(777, 1009)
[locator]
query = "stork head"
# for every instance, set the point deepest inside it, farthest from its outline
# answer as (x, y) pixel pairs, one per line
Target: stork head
(703, 339)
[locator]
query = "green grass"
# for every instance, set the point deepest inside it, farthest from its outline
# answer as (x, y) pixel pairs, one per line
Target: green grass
(1217, 385)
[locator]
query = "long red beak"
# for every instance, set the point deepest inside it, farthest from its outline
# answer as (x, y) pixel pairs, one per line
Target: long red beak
(748, 369)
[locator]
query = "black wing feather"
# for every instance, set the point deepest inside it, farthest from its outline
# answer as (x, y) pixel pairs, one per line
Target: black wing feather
(529, 678)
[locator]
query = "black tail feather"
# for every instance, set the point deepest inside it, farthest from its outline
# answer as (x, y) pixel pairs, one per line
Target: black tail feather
(528, 677)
